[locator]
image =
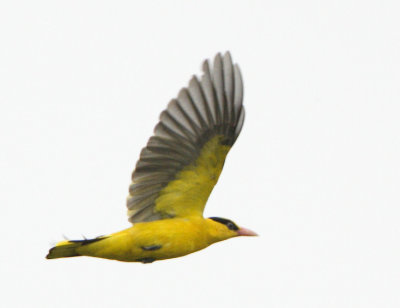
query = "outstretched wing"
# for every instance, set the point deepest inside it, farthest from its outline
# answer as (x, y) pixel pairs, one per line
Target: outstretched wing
(181, 163)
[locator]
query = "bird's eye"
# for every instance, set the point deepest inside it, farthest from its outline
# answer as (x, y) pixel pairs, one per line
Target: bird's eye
(231, 226)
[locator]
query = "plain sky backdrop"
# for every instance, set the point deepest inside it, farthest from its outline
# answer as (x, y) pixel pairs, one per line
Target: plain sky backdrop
(315, 172)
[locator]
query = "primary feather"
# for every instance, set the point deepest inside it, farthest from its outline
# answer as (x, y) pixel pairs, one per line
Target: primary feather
(181, 163)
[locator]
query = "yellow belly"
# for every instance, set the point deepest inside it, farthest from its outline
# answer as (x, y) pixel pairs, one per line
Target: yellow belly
(151, 241)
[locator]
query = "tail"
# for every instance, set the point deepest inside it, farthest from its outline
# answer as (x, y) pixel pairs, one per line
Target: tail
(67, 249)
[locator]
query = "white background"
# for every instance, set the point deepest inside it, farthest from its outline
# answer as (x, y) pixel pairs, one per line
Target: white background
(315, 171)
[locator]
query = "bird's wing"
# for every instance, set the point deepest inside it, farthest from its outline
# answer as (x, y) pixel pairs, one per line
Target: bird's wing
(182, 161)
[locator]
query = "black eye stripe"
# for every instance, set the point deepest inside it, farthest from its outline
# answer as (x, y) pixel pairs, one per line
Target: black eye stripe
(228, 223)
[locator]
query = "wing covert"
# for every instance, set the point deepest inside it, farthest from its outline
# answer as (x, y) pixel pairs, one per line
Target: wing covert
(182, 161)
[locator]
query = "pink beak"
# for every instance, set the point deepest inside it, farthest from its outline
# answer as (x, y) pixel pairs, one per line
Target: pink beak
(246, 232)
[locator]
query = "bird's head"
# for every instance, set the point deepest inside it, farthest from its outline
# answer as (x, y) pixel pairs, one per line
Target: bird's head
(223, 229)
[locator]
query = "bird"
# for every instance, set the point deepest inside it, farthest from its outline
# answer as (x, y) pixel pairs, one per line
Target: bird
(176, 173)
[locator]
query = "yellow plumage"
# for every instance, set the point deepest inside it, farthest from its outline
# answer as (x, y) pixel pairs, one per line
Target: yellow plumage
(175, 175)
(188, 193)
(149, 241)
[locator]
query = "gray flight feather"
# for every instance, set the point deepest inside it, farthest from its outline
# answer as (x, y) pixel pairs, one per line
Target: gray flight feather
(209, 106)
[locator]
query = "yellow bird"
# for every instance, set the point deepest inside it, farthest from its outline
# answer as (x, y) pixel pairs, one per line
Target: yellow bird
(175, 174)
